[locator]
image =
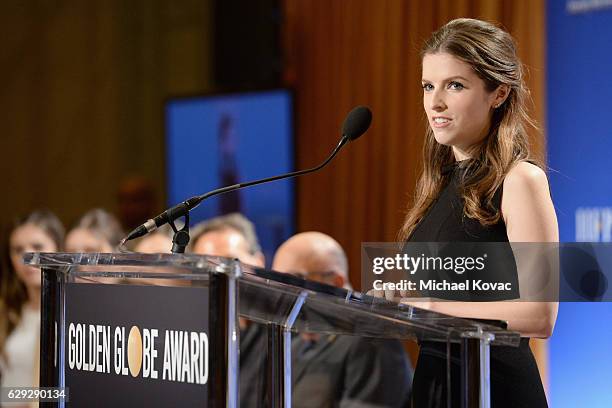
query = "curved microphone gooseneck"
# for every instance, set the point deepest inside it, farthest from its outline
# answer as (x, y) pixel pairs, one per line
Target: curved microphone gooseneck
(356, 123)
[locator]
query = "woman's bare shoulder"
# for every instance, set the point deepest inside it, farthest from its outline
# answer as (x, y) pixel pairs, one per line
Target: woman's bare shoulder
(527, 206)
(526, 176)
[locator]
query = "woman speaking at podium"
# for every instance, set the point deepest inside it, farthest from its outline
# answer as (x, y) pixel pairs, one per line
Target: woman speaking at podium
(479, 184)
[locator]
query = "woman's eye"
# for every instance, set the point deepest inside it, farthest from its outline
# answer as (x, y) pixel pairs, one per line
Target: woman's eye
(16, 250)
(37, 247)
(427, 87)
(457, 86)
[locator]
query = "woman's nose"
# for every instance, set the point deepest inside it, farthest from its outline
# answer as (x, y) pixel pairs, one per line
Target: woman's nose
(437, 102)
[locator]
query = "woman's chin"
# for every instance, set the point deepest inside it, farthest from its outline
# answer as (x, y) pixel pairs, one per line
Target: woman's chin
(33, 283)
(31, 277)
(444, 138)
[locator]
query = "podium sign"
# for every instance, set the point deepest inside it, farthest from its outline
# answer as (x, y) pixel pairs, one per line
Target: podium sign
(131, 330)
(136, 345)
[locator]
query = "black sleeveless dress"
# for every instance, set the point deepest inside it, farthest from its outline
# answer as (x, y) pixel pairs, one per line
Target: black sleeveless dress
(515, 379)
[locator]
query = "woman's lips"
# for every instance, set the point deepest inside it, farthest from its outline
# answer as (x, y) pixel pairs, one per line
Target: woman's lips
(441, 124)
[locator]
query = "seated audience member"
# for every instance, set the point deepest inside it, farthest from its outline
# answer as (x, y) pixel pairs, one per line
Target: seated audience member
(233, 236)
(41, 231)
(230, 236)
(339, 371)
(96, 231)
(158, 242)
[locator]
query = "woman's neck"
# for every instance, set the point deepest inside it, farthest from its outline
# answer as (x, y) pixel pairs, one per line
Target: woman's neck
(33, 297)
(460, 155)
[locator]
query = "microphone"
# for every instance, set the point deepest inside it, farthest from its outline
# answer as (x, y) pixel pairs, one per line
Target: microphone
(355, 124)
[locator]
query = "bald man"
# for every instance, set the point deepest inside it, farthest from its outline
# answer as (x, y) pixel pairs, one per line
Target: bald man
(314, 256)
(339, 371)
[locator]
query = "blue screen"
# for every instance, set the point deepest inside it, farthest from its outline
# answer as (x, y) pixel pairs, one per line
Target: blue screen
(579, 144)
(219, 140)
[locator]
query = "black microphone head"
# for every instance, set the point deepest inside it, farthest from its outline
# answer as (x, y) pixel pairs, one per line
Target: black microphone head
(357, 122)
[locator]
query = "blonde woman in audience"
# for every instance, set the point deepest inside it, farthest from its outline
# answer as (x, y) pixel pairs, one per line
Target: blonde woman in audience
(96, 231)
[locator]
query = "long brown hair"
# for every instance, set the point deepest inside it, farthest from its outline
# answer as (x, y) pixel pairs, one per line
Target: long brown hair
(491, 52)
(13, 294)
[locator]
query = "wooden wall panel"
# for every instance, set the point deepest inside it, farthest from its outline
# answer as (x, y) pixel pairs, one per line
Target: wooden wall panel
(83, 90)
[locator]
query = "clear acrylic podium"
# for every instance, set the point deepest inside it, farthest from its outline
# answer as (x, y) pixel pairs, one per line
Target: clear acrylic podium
(121, 328)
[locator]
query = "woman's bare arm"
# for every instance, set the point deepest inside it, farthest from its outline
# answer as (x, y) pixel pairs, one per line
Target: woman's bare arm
(529, 215)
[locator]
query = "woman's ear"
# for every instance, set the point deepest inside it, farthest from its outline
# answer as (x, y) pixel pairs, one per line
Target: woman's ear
(339, 280)
(500, 95)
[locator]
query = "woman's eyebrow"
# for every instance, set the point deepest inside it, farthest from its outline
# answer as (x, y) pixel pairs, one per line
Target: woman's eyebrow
(448, 79)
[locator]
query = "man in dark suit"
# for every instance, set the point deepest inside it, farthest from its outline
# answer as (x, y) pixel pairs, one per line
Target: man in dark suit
(233, 236)
(339, 371)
